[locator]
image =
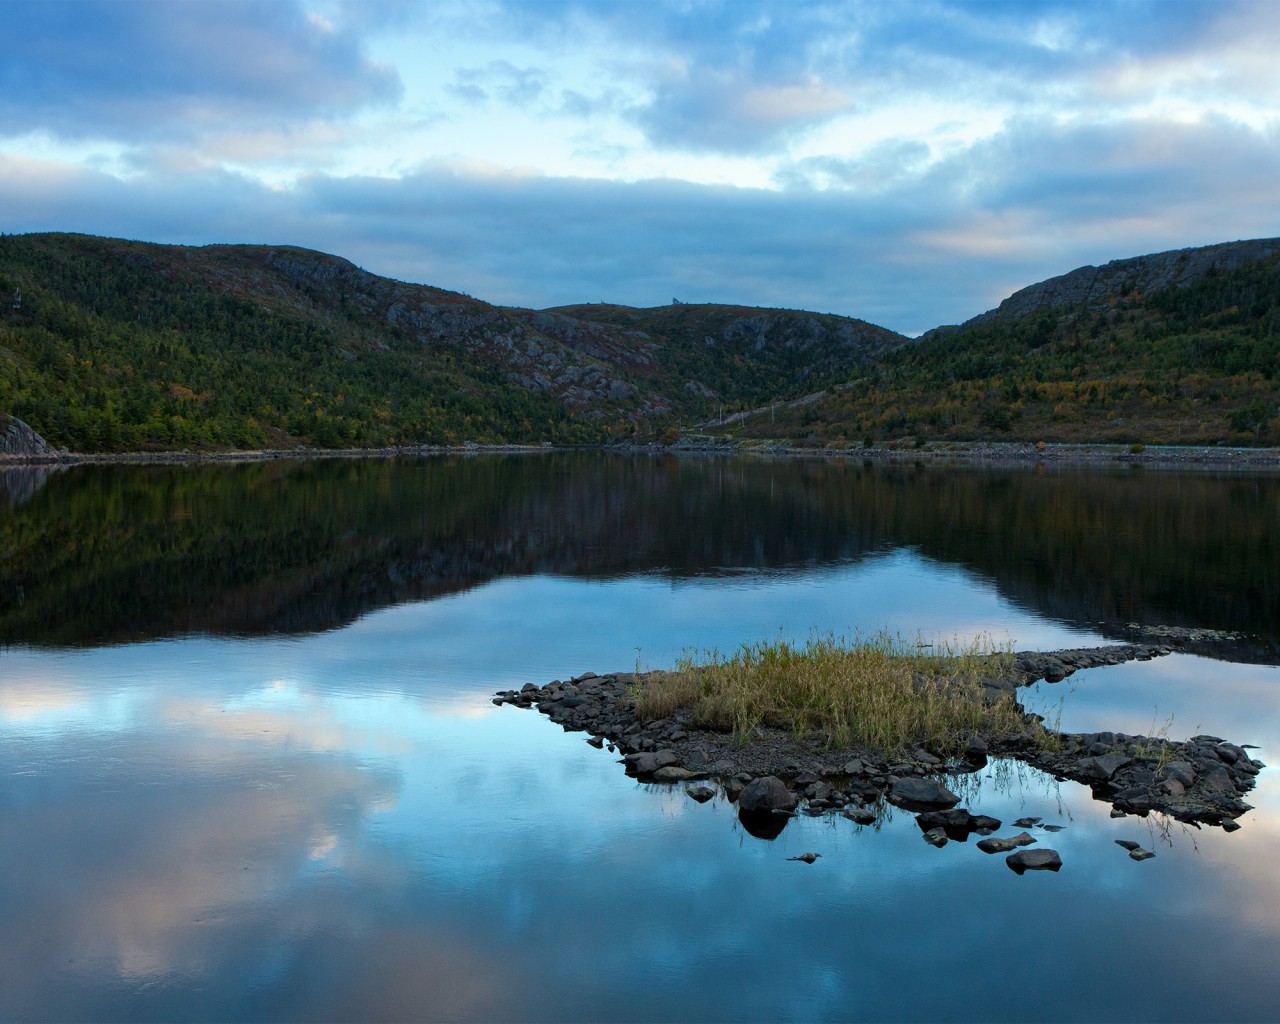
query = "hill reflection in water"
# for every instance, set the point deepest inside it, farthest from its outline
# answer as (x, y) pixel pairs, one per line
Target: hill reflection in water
(121, 553)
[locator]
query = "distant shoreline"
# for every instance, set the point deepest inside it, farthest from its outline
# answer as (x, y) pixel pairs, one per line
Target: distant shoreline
(935, 453)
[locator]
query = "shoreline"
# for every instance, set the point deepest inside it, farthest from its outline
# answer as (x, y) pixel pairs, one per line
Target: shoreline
(940, 453)
(1198, 781)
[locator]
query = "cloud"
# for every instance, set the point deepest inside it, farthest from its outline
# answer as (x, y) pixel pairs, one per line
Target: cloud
(499, 79)
(144, 71)
(901, 238)
(725, 111)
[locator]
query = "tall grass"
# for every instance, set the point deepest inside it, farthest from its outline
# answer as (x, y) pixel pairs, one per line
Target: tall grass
(882, 694)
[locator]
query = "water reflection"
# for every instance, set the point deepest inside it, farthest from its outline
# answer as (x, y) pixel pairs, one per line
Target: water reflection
(309, 855)
(263, 813)
(117, 553)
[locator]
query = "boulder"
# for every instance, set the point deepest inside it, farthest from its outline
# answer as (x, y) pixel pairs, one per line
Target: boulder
(766, 794)
(1104, 766)
(648, 763)
(921, 794)
(701, 793)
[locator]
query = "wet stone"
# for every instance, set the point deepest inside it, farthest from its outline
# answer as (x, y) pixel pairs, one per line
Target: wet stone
(1034, 860)
(993, 845)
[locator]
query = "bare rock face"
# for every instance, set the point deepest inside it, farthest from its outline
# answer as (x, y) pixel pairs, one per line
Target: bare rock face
(19, 441)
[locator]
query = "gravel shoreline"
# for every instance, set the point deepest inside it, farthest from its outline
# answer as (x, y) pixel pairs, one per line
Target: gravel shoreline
(934, 453)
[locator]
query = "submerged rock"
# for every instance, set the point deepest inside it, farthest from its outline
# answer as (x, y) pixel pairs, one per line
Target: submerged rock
(993, 845)
(957, 822)
(1034, 860)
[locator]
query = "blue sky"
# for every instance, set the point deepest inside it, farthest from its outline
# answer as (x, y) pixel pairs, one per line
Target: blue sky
(907, 163)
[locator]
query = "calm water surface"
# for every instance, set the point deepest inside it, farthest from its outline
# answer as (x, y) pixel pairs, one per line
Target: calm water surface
(249, 769)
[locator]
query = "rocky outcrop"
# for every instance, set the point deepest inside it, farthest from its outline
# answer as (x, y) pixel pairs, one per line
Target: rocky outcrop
(19, 441)
(1199, 781)
(1090, 287)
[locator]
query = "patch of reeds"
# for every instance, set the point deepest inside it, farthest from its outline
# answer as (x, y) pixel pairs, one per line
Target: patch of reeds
(882, 694)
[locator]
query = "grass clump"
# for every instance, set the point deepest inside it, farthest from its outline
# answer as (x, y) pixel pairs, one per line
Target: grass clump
(881, 694)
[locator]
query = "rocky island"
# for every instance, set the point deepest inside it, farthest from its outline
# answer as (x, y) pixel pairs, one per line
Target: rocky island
(776, 774)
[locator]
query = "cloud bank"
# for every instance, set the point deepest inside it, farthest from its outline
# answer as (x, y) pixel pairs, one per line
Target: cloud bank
(906, 166)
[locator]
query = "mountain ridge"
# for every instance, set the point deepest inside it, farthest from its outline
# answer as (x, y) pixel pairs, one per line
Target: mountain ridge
(1089, 284)
(114, 345)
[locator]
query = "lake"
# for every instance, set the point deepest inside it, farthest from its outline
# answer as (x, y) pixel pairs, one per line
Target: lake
(249, 767)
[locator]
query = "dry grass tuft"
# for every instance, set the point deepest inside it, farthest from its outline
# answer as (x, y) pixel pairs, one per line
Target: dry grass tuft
(882, 694)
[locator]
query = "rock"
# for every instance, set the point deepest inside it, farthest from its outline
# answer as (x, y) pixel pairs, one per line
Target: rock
(1180, 771)
(17, 440)
(808, 858)
(595, 741)
(1128, 844)
(1053, 828)
(860, 815)
(955, 820)
(992, 845)
(1104, 766)
(648, 763)
(1034, 860)
(1055, 671)
(701, 793)
(854, 767)
(674, 773)
(1027, 822)
(1218, 782)
(819, 791)
(983, 824)
(921, 794)
(1140, 854)
(936, 836)
(766, 794)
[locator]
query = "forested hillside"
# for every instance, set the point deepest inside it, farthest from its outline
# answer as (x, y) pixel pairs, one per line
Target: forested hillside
(1088, 357)
(108, 345)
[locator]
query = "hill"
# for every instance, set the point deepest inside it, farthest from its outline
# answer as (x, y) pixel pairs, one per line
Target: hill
(1180, 347)
(109, 345)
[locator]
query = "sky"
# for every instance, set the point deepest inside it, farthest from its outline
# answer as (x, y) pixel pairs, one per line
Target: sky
(910, 164)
